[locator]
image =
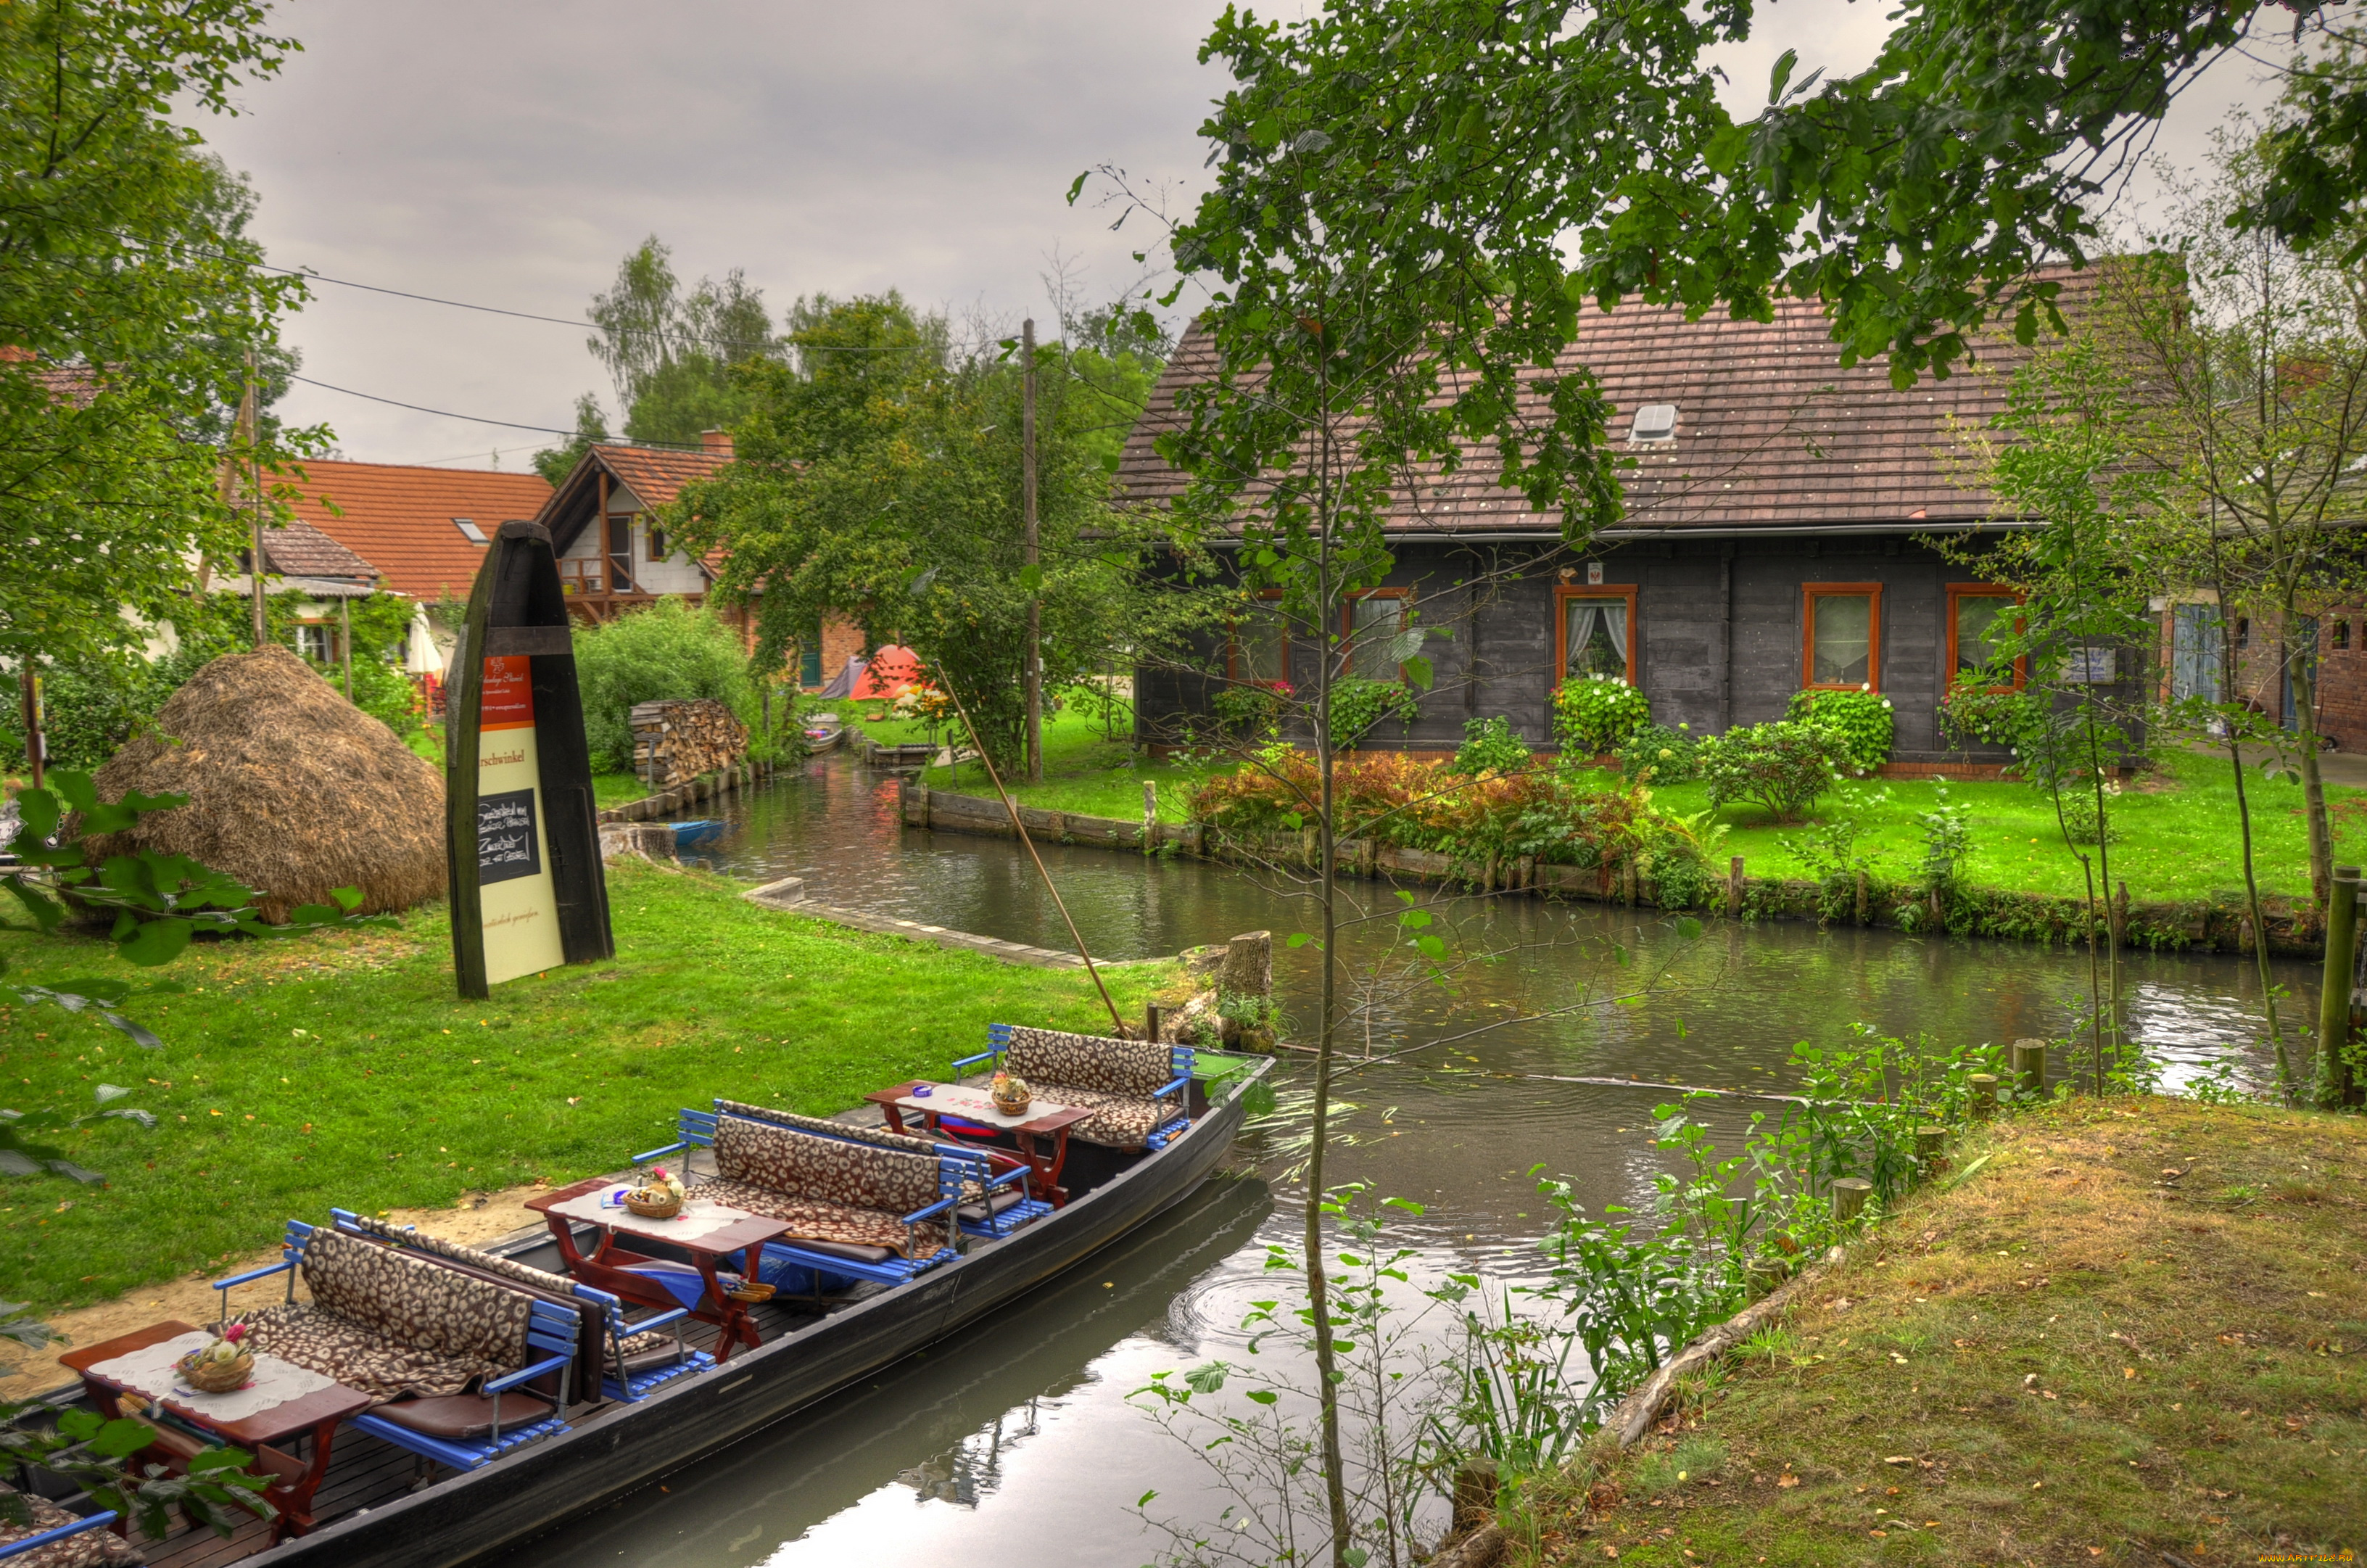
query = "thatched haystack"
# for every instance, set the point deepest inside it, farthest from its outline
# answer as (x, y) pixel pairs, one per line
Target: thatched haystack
(293, 790)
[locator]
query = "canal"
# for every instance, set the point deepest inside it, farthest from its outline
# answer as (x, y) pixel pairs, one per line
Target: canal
(1015, 1439)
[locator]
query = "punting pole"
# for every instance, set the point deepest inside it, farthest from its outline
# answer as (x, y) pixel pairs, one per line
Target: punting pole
(1011, 806)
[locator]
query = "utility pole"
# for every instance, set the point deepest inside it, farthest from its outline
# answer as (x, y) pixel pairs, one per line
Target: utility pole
(1033, 654)
(253, 500)
(345, 643)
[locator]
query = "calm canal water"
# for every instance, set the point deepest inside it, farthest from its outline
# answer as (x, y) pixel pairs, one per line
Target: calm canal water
(1014, 1440)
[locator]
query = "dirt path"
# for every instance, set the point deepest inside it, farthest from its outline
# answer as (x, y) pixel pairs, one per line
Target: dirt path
(192, 1298)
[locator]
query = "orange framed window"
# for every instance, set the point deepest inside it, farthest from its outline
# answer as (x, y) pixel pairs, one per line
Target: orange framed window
(1594, 631)
(1371, 623)
(1978, 613)
(1257, 648)
(1840, 636)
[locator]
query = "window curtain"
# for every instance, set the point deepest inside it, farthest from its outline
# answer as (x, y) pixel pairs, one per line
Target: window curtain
(1372, 625)
(1844, 639)
(2194, 652)
(1596, 638)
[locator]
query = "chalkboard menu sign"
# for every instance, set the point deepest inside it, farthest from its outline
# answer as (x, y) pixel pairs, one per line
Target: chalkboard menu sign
(520, 838)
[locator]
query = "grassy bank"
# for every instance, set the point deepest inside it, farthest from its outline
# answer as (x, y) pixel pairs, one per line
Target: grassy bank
(1083, 771)
(342, 1070)
(2135, 1334)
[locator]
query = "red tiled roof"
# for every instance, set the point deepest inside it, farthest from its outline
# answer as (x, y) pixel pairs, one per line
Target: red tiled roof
(656, 476)
(300, 550)
(399, 517)
(1771, 433)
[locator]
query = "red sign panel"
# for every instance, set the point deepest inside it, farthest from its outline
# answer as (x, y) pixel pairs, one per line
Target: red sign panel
(508, 700)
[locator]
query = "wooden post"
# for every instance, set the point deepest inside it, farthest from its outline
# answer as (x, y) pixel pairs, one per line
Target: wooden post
(1931, 1145)
(345, 643)
(1032, 657)
(1734, 889)
(2029, 1069)
(245, 436)
(1475, 1492)
(1865, 904)
(1761, 1274)
(1849, 1194)
(1984, 1086)
(1151, 1022)
(2121, 917)
(2334, 988)
(1150, 820)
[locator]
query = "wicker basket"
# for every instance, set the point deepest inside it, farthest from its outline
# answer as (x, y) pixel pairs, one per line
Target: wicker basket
(654, 1202)
(1012, 1097)
(216, 1376)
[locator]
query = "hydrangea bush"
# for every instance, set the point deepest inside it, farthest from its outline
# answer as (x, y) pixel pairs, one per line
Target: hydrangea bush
(1862, 719)
(1594, 715)
(1782, 767)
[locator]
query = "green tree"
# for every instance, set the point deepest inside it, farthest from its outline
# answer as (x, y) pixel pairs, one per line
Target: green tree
(671, 353)
(878, 477)
(666, 652)
(130, 296)
(555, 463)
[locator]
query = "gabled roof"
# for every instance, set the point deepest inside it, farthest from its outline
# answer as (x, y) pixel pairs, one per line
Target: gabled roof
(399, 517)
(654, 475)
(1772, 433)
(300, 550)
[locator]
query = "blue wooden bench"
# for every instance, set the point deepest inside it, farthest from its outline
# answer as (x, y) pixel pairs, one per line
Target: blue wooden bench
(551, 1328)
(618, 1379)
(1096, 1073)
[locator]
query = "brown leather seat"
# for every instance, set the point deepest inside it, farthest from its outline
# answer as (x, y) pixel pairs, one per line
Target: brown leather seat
(649, 1360)
(459, 1417)
(854, 1250)
(1007, 1198)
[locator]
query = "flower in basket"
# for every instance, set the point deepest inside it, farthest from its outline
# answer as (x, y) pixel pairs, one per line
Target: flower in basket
(661, 1176)
(221, 1365)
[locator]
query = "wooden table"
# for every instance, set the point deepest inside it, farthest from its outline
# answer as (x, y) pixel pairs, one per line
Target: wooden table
(1052, 1126)
(607, 1268)
(294, 1480)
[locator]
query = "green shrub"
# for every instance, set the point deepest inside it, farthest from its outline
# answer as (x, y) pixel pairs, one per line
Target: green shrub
(2080, 820)
(667, 653)
(1861, 718)
(1253, 708)
(1657, 754)
(1489, 747)
(1358, 704)
(1782, 767)
(381, 690)
(1595, 715)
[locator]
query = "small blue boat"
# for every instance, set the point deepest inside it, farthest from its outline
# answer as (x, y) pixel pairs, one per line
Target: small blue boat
(690, 834)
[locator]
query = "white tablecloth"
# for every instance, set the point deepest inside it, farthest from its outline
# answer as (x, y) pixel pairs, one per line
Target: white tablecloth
(698, 1217)
(975, 1104)
(155, 1374)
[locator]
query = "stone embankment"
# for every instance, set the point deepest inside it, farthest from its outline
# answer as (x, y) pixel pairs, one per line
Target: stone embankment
(2212, 924)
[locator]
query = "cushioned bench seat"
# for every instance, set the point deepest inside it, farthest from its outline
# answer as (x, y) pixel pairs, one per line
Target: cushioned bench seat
(60, 1538)
(1134, 1087)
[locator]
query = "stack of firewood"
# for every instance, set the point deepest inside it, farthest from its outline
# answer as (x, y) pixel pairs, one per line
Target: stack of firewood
(674, 742)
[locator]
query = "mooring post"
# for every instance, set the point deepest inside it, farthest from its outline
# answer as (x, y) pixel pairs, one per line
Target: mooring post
(1865, 901)
(1151, 1022)
(1849, 1194)
(1734, 889)
(1931, 1146)
(2333, 987)
(1474, 1491)
(1984, 1086)
(2029, 1069)
(2121, 917)
(1149, 819)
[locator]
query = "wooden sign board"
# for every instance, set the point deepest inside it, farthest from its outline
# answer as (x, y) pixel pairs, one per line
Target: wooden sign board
(520, 839)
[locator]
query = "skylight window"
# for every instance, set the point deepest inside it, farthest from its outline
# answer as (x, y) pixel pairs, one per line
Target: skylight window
(1655, 422)
(471, 531)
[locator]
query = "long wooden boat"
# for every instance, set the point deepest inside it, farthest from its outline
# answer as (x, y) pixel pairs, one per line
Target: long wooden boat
(373, 1518)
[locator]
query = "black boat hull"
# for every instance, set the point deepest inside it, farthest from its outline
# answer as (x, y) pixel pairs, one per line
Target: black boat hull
(468, 1519)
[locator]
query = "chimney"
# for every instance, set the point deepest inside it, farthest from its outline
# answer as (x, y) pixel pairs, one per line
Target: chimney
(716, 443)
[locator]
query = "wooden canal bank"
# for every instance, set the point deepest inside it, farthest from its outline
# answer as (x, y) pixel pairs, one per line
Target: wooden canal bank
(2207, 925)
(706, 787)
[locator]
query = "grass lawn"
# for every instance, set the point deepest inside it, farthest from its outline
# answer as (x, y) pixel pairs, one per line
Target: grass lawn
(1083, 772)
(2074, 1357)
(2177, 831)
(341, 1069)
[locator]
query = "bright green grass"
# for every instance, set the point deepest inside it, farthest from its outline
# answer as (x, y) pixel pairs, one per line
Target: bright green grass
(2176, 827)
(341, 1070)
(616, 788)
(1082, 771)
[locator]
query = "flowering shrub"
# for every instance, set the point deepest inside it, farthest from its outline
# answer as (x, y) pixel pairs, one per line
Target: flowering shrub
(1358, 704)
(1597, 715)
(1658, 755)
(1861, 718)
(1254, 707)
(1489, 747)
(1781, 767)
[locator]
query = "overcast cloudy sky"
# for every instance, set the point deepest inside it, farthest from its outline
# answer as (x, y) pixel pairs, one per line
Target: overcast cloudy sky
(510, 153)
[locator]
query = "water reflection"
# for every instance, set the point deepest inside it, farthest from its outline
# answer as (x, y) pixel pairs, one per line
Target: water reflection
(1014, 1441)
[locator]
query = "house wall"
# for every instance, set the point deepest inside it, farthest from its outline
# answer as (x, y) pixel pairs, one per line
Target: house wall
(2341, 671)
(1701, 664)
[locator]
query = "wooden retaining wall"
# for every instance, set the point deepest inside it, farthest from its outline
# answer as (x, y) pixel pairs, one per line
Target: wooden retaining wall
(2207, 925)
(706, 787)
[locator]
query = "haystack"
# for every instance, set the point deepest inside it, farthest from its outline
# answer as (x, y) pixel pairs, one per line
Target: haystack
(293, 790)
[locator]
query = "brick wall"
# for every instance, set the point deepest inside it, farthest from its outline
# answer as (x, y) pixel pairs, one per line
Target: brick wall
(2341, 672)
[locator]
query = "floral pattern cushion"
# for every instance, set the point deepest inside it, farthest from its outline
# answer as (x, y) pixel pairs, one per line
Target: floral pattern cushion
(820, 1220)
(1122, 1121)
(360, 1357)
(415, 1305)
(1046, 1057)
(798, 1165)
(91, 1549)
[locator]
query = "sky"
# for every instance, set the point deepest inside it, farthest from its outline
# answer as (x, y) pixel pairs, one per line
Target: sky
(511, 155)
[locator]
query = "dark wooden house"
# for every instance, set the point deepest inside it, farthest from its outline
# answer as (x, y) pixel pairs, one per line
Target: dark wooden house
(1781, 529)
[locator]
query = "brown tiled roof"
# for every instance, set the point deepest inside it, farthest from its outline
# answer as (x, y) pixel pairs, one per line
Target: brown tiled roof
(656, 476)
(300, 550)
(399, 517)
(1771, 432)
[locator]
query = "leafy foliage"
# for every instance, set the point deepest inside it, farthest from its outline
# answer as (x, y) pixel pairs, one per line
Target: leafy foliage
(1595, 715)
(1253, 708)
(666, 652)
(1862, 719)
(96, 1453)
(1491, 746)
(1782, 767)
(1656, 753)
(1358, 704)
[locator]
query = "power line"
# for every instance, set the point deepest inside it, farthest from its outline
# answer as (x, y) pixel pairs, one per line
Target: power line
(447, 414)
